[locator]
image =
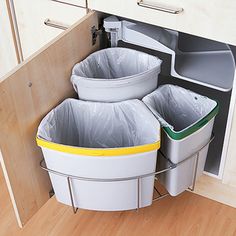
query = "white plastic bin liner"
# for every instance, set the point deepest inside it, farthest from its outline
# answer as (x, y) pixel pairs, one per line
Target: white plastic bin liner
(97, 125)
(116, 74)
(178, 108)
(101, 140)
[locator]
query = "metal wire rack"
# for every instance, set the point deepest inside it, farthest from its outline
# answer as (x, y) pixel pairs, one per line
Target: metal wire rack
(171, 166)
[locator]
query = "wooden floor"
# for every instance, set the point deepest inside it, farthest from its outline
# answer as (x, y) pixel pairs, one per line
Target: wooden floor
(187, 214)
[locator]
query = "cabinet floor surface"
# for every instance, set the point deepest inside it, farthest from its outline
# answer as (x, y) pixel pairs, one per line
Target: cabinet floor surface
(187, 214)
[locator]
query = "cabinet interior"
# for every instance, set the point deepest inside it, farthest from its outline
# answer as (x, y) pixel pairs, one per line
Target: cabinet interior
(208, 61)
(42, 82)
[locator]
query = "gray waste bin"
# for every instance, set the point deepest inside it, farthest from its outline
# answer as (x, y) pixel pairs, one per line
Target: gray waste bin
(187, 120)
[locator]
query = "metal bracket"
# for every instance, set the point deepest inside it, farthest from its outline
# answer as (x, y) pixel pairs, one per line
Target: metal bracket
(113, 26)
(51, 193)
(95, 33)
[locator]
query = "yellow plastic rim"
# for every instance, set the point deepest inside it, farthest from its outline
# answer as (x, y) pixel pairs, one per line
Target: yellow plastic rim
(96, 151)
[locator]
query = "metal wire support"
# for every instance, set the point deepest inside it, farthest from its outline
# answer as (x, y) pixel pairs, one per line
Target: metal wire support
(43, 166)
(75, 209)
(138, 177)
(160, 196)
(195, 173)
(138, 193)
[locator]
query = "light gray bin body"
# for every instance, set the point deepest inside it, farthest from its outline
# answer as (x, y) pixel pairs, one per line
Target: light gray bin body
(97, 141)
(116, 74)
(187, 121)
(180, 178)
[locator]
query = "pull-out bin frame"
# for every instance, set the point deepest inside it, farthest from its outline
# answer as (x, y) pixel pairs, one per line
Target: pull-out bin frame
(138, 178)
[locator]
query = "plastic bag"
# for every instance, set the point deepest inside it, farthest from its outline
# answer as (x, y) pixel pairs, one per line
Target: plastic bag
(112, 63)
(100, 125)
(178, 108)
(116, 74)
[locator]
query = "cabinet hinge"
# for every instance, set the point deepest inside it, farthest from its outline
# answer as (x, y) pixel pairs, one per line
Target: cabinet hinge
(95, 33)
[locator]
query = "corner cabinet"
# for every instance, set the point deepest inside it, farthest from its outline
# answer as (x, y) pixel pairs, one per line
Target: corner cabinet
(42, 81)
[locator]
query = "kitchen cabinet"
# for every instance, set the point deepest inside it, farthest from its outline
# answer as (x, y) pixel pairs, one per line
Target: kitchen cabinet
(211, 19)
(229, 175)
(42, 81)
(31, 16)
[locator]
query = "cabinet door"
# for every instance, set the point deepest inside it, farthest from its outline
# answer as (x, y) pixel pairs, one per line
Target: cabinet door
(8, 58)
(229, 176)
(31, 16)
(26, 96)
(213, 19)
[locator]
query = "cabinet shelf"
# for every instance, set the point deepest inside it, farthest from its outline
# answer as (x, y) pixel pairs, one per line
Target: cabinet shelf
(194, 59)
(213, 69)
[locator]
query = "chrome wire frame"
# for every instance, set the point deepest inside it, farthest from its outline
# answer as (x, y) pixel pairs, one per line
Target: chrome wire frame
(138, 177)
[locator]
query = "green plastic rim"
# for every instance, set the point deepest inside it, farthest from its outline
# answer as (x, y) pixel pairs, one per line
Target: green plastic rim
(177, 135)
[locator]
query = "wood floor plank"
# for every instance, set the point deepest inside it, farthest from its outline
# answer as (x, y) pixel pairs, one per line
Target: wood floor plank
(185, 215)
(8, 223)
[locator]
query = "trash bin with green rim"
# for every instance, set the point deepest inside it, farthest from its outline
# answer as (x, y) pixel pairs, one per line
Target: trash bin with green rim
(187, 120)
